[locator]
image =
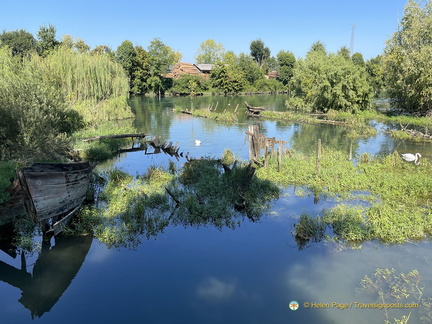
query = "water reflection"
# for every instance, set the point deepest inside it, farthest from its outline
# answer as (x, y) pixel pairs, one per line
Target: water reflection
(51, 275)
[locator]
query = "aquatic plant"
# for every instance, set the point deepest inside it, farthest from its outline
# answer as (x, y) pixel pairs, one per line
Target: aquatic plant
(202, 193)
(389, 287)
(395, 194)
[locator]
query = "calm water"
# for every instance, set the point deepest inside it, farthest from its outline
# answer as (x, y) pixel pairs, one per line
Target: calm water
(203, 275)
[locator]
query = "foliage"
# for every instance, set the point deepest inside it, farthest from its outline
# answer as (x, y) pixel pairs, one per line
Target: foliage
(101, 150)
(33, 114)
(126, 56)
(7, 172)
(331, 82)
(93, 85)
(228, 79)
(190, 84)
(375, 72)
(201, 194)
(407, 60)
(209, 52)
(286, 61)
(20, 42)
(259, 52)
(251, 71)
(141, 72)
(395, 194)
(47, 41)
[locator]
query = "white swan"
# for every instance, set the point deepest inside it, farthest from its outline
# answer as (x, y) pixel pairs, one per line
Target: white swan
(197, 142)
(411, 157)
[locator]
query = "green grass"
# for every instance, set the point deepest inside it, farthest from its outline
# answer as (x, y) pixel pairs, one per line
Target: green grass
(7, 172)
(102, 149)
(396, 194)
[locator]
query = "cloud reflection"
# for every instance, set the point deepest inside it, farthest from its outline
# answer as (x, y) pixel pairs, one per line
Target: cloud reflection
(215, 290)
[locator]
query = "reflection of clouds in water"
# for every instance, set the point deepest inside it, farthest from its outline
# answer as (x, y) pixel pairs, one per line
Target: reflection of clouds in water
(98, 253)
(334, 277)
(215, 290)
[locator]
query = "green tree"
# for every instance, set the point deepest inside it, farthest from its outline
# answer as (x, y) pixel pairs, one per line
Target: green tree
(318, 47)
(375, 71)
(161, 57)
(344, 52)
(209, 52)
(20, 42)
(228, 79)
(141, 72)
(407, 60)
(259, 52)
(126, 56)
(331, 82)
(230, 58)
(358, 59)
(286, 61)
(46, 40)
(250, 69)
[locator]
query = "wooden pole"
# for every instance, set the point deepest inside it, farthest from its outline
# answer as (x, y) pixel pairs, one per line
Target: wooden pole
(318, 161)
(280, 150)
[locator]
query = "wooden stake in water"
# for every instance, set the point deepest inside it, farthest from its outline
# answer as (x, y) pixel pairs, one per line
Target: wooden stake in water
(280, 150)
(318, 161)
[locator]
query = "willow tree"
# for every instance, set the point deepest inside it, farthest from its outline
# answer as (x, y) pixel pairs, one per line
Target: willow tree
(34, 119)
(407, 63)
(93, 85)
(329, 81)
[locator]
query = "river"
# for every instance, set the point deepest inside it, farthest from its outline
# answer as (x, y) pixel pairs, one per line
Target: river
(251, 274)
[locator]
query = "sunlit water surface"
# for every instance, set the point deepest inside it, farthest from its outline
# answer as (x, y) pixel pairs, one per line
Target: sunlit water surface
(203, 275)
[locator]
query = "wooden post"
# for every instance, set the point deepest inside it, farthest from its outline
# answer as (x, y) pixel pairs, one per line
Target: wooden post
(318, 161)
(266, 155)
(350, 153)
(254, 145)
(280, 150)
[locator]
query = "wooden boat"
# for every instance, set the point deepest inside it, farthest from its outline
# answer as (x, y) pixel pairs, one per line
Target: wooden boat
(255, 111)
(54, 191)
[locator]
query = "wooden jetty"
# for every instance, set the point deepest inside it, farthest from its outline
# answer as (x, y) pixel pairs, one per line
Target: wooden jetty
(97, 138)
(254, 111)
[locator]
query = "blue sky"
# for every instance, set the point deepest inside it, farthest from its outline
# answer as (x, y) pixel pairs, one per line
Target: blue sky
(183, 25)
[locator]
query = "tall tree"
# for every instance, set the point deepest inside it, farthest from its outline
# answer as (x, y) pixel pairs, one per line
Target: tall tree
(46, 40)
(318, 47)
(20, 42)
(209, 52)
(228, 79)
(286, 61)
(161, 56)
(126, 56)
(259, 51)
(407, 60)
(142, 71)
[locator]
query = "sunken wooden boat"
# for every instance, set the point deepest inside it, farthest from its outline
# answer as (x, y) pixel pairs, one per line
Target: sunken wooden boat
(254, 111)
(54, 191)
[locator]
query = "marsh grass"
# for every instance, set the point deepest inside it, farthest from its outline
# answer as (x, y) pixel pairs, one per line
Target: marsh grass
(395, 194)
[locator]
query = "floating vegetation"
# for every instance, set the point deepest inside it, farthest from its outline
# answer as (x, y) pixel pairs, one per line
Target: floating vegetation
(203, 192)
(395, 194)
(226, 116)
(397, 293)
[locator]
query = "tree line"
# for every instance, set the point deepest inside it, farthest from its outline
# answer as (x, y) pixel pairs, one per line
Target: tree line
(60, 86)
